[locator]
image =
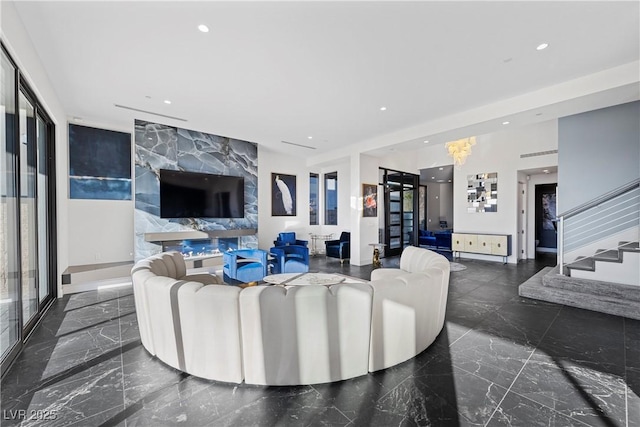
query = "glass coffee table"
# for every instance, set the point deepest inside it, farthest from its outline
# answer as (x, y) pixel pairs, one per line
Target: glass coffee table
(302, 279)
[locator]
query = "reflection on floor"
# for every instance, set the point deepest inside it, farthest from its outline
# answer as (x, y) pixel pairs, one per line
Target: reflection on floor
(501, 360)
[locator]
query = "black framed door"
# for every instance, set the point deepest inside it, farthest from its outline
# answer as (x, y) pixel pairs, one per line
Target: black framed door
(401, 208)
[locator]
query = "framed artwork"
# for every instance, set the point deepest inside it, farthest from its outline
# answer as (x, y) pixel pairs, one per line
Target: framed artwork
(99, 163)
(369, 200)
(283, 195)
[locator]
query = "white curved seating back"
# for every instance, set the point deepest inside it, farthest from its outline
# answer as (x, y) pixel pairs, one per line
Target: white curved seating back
(305, 334)
(409, 305)
(210, 322)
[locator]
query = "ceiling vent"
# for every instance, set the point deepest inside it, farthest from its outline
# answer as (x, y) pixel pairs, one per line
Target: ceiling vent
(539, 153)
(149, 112)
(299, 145)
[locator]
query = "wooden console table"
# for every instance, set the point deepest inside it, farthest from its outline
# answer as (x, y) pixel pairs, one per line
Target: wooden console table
(487, 244)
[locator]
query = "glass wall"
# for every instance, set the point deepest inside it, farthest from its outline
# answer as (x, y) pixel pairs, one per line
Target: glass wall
(9, 283)
(331, 198)
(27, 211)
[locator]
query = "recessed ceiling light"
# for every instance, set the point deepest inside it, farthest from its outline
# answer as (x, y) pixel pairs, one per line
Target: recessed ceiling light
(166, 101)
(542, 46)
(383, 108)
(507, 60)
(449, 180)
(147, 96)
(426, 141)
(505, 123)
(440, 169)
(309, 137)
(433, 177)
(203, 28)
(545, 170)
(538, 114)
(78, 119)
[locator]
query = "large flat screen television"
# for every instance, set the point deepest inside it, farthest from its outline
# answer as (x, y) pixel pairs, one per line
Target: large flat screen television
(200, 195)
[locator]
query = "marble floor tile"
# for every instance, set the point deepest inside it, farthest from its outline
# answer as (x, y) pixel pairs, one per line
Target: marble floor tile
(500, 360)
(593, 396)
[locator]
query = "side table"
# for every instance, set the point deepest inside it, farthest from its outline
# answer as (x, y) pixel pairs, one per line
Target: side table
(314, 242)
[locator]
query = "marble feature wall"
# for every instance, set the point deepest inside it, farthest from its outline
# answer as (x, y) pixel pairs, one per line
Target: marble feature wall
(165, 147)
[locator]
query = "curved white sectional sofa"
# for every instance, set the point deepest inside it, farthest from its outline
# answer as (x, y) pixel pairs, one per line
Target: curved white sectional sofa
(275, 335)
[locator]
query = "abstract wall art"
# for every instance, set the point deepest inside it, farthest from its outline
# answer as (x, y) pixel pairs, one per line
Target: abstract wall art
(99, 163)
(369, 200)
(283, 195)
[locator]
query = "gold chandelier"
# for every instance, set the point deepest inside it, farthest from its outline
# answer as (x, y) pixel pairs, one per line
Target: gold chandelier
(460, 149)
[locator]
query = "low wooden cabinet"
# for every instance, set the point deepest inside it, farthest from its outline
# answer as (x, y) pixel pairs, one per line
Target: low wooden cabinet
(487, 244)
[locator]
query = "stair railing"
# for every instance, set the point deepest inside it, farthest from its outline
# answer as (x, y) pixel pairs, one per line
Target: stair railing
(598, 218)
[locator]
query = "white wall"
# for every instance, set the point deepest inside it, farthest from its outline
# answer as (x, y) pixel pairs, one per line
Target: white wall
(20, 48)
(497, 152)
(270, 161)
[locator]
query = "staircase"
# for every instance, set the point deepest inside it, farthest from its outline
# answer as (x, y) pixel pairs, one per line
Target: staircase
(603, 280)
(619, 265)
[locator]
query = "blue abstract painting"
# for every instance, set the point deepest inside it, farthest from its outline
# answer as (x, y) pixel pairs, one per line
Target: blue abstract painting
(99, 163)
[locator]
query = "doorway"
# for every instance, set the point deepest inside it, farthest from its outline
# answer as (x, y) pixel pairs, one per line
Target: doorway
(401, 202)
(546, 225)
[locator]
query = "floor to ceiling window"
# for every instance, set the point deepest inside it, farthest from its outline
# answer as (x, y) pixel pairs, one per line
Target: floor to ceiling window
(27, 193)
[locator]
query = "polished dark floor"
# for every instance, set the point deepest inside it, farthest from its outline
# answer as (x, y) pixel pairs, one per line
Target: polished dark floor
(501, 360)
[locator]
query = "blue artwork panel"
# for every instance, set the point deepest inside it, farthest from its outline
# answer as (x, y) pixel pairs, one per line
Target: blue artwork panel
(99, 164)
(100, 188)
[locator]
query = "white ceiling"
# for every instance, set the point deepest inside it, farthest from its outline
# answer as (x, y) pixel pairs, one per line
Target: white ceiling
(283, 71)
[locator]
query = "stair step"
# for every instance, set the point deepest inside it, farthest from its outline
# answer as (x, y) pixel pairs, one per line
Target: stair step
(582, 263)
(629, 246)
(607, 255)
(579, 293)
(592, 287)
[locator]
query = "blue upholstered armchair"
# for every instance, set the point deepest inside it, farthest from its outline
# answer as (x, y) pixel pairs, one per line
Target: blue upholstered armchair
(289, 238)
(340, 248)
(244, 265)
(289, 259)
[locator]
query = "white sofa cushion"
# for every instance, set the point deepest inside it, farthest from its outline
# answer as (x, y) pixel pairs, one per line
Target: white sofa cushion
(408, 307)
(305, 334)
(210, 322)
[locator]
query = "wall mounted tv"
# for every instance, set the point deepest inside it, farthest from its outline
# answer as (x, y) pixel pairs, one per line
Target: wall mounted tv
(200, 195)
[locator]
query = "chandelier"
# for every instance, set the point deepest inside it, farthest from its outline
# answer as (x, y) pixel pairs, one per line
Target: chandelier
(460, 149)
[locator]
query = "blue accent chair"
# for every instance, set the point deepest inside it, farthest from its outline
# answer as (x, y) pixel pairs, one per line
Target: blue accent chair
(443, 239)
(244, 265)
(289, 238)
(289, 259)
(340, 248)
(426, 238)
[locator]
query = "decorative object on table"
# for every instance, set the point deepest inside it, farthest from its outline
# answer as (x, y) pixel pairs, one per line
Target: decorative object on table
(376, 254)
(283, 195)
(289, 238)
(244, 265)
(289, 259)
(99, 164)
(340, 248)
(369, 200)
(482, 192)
(460, 149)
